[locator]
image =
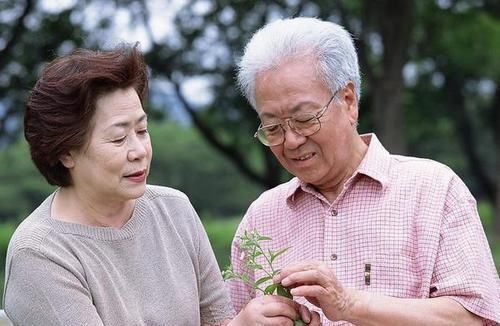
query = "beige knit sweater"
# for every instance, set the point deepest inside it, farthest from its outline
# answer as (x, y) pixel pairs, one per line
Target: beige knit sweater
(158, 269)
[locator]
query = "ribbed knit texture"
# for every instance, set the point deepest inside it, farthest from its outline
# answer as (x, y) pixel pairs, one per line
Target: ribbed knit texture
(158, 269)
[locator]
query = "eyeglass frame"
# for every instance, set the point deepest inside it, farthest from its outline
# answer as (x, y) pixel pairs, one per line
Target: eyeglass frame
(287, 121)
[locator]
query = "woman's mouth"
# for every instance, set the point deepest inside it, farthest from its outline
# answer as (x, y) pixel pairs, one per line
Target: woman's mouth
(138, 176)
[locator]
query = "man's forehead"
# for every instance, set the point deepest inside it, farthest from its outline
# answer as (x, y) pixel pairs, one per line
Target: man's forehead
(305, 106)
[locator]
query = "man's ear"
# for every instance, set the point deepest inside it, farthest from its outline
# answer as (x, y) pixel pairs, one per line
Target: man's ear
(67, 160)
(351, 99)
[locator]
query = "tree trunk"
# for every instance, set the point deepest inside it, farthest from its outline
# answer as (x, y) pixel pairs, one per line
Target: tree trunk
(396, 22)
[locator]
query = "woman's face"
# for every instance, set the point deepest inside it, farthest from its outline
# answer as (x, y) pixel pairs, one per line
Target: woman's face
(114, 164)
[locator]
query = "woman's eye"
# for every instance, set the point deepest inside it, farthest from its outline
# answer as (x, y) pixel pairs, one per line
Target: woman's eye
(143, 132)
(118, 141)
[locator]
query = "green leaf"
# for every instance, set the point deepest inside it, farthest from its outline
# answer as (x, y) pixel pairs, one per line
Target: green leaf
(274, 256)
(262, 280)
(283, 291)
(270, 288)
(254, 266)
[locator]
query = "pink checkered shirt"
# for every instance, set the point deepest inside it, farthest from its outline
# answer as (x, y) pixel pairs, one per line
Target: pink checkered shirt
(412, 220)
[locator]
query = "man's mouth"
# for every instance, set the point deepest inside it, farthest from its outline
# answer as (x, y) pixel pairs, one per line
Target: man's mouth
(304, 157)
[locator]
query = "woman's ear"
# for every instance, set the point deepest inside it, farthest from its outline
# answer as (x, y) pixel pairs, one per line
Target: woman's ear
(67, 160)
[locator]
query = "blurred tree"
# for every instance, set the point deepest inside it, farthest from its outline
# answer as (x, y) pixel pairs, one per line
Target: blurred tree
(28, 38)
(22, 188)
(429, 67)
(180, 160)
(437, 43)
(212, 34)
(457, 55)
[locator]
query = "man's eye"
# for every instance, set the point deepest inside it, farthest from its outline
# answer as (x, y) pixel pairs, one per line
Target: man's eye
(272, 129)
(304, 118)
(143, 132)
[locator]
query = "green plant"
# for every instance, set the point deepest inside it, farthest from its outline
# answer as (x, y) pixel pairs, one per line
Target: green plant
(250, 244)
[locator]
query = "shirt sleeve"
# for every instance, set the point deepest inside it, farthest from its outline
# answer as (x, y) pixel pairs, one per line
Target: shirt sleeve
(39, 291)
(464, 268)
(215, 305)
(241, 293)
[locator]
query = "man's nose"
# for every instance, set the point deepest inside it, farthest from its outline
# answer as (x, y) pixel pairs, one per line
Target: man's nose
(293, 138)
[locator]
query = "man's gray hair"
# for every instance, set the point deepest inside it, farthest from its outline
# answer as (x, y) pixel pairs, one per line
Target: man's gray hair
(330, 44)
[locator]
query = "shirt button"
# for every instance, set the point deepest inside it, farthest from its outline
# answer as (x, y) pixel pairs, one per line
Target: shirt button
(333, 256)
(334, 212)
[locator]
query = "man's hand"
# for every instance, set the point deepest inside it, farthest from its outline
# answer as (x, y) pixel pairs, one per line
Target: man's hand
(318, 284)
(274, 310)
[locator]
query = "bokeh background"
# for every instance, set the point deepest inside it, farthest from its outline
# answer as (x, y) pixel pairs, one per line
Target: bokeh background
(430, 72)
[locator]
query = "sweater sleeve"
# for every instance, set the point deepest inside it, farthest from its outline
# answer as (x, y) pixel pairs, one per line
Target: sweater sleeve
(39, 291)
(215, 304)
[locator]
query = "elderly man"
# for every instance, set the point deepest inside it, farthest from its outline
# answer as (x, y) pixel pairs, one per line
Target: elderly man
(374, 238)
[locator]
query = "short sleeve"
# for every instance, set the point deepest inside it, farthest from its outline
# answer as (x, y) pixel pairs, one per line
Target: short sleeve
(464, 268)
(38, 291)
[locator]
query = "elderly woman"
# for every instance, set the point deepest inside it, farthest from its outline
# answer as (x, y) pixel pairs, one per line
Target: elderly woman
(105, 248)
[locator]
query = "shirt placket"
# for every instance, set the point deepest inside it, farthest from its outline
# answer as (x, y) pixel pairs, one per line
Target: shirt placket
(333, 243)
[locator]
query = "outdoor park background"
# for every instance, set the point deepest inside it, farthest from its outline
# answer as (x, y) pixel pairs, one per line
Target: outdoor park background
(430, 88)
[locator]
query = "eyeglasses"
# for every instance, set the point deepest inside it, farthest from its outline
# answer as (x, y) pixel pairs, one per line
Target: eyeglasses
(305, 124)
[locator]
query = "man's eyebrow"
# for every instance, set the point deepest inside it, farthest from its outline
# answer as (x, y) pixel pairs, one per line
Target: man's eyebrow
(296, 108)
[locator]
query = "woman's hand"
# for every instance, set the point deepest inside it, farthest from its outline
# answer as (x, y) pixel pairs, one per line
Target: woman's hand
(270, 310)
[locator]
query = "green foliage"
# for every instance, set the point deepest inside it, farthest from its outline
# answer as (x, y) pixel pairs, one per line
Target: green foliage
(250, 244)
(221, 232)
(448, 37)
(22, 188)
(182, 160)
(6, 231)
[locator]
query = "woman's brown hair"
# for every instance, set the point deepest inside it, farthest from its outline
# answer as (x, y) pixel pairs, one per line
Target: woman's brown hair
(62, 102)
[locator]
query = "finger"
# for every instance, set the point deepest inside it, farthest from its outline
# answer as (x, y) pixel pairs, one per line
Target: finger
(305, 314)
(309, 291)
(279, 306)
(321, 277)
(315, 320)
(279, 321)
(296, 267)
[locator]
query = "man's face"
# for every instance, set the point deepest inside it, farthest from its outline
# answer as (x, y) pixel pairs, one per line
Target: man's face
(324, 158)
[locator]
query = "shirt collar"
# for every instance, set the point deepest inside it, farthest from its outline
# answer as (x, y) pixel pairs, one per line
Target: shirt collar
(376, 162)
(375, 165)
